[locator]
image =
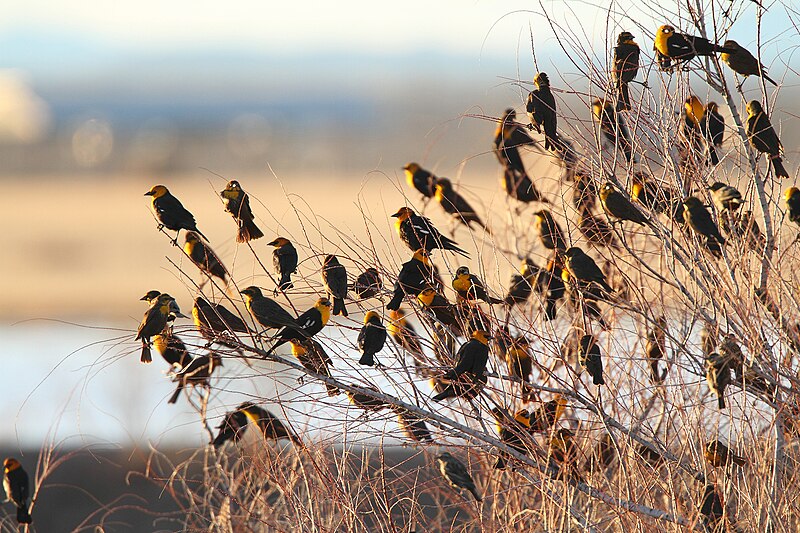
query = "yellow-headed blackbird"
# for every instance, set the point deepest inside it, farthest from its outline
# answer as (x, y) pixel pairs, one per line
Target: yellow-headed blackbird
(520, 187)
(520, 364)
(521, 284)
(237, 203)
(626, 67)
(467, 378)
(415, 275)
(508, 138)
(712, 508)
(708, 339)
(170, 212)
(742, 62)
(732, 354)
(308, 324)
(470, 287)
(154, 322)
(418, 232)
(511, 434)
(583, 268)
(718, 454)
(215, 321)
(549, 285)
(412, 426)
(656, 197)
(171, 348)
(590, 359)
(313, 357)
(656, 347)
(457, 474)
(406, 337)
(420, 179)
(266, 311)
(693, 113)
(550, 232)
(617, 205)
(366, 401)
(437, 305)
(545, 417)
(596, 230)
(455, 205)
(613, 127)
(150, 296)
(17, 488)
(725, 197)
(763, 137)
(713, 127)
(584, 191)
(564, 451)
(269, 425)
(682, 47)
(334, 278)
(371, 338)
(197, 372)
(368, 284)
(232, 427)
(718, 376)
(700, 221)
(541, 107)
(204, 257)
(792, 199)
(284, 258)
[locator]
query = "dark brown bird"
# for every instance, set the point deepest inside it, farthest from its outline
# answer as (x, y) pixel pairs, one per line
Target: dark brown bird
(626, 67)
(412, 426)
(725, 197)
(521, 284)
(232, 428)
(266, 311)
(690, 126)
(408, 339)
(313, 357)
(520, 364)
(196, 373)
(284, 258)
(512, 433)
(368, 284)
(366, 401)
(712, 508)
(656, 197)
(590, 359)
(418, 232)
(584, 191)
(583, 268)
(421, 180)
(550, 233)
(550, 286)
(509, 137)
(269, 425)
(718, 454)
(718, 376)
(441, 309)
(547, 415)
(541, 108)
(456, 206)
(656, 347)
(763, 137)
(596, 230)
(334, 278)
(617, 205)
(699, 220)
(457, 474)
(742, 62)
(218, 324)
(204, 257)
(371, 338)
(155, 319)
(171, 348)
(237, 203)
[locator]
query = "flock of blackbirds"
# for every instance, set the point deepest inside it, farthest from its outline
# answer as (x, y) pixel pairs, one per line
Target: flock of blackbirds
(571, 275)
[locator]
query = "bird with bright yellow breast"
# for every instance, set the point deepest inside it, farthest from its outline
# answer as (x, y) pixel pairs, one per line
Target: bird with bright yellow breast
(681, 47)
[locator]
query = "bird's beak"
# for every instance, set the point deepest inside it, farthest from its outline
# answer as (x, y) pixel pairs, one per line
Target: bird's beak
(396, 215)
(143, 298)
(149, 193)
(180, 315)
(273, 243)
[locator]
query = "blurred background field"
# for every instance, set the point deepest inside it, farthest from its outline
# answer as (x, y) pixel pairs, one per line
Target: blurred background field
(99, 102)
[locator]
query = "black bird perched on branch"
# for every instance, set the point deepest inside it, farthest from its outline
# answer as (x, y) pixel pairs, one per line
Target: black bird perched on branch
(171, 348)
(421, 180)
(508, 138)
(404, 334)
(763, 137)
(626, 67)
(690, 126)
(284, 258)
(718, 376)
(582, 267)
(511, 433)
(197, 372)
(313, 357)
(441, 309)
(617, 205)
(170, 212)
(681, 47)
(470, 287)
(596, 230)
(468, 377)
(613, 127)
(17, 488)
(266, 311)
(718, 454)
(792, 198)
(413, 426)
(204, 257)
(237, 203)
(549, 284)
(521, 284)
(700, 221)
(415, 275)
(545, 417)
(217, 324)
(366, 401)
(334, 279)
(232, 427)
(712, 508)
(541, 108)
(155, 319)
(742, 62)
(457, 474)
(590, 359)
(371, 338)
(550, 233)
(418, 232)
(713, 127)
(368, 284)
(269, 425)
(308, 324)
(456, 206)
(725, 197)
(655, 196)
